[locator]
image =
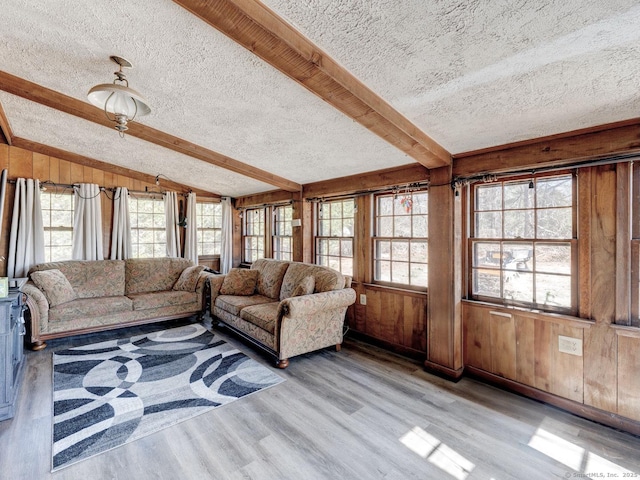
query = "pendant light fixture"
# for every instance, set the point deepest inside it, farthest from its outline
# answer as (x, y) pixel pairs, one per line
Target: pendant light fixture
(120, 103)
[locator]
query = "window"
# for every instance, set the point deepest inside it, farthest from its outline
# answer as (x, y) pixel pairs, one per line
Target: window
(400, 244)
(283, 233)
(334, 239)
(253, 238)
(209, 224)
(523, 242)
(57, 217)
(148, 231)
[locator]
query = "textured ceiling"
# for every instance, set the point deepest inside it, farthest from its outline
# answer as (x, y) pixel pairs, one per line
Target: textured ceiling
(469, 74)
(478, 74)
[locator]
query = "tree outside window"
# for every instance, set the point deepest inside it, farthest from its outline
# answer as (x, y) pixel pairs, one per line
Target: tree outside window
(253, 234)
(57, 218)
(335, 231)
(523, 242)
(209, 225)
(400, 253)
(148, 230)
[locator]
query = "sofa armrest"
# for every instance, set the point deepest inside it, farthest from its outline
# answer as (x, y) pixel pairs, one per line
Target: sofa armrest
(201, 287)
(311, 322)
(215, 282)
(307, 305)
(38, 306)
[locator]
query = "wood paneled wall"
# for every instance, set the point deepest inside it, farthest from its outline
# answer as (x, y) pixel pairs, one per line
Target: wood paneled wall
(23, 163)
(523, 346)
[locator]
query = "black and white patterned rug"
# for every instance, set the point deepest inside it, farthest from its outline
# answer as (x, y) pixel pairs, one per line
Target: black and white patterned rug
(110, 393)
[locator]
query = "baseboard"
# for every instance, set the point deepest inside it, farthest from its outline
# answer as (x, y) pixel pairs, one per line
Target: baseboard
(392, 347)
(581, 410)
(444, 372)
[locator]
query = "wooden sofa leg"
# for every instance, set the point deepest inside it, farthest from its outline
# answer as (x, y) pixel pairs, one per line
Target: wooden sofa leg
(38, 345)
(284, 363)
(338, 347)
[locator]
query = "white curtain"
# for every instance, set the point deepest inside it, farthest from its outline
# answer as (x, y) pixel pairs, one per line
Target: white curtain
(87, 223)
(226, 250)
(121, 232)
(26, 241)
(191, 235)
(173, 232)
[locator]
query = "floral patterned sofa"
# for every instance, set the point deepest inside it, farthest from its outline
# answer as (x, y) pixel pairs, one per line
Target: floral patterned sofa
(73, 297)
(287, 308)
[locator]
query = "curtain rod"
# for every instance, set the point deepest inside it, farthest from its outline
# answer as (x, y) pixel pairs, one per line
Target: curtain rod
(412, 186)
(488, 176)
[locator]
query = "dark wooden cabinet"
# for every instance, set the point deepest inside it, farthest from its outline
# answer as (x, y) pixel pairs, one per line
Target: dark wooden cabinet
(12, 330)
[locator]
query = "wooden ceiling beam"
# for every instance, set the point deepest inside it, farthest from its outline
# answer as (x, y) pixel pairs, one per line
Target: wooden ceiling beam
(6, 135)
(107, 167)
(386, 178)
(50, 98)
(257, 28)
(555, 150)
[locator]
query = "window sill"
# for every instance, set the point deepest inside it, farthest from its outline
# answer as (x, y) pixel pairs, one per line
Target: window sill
(389, 288)
(533, 313)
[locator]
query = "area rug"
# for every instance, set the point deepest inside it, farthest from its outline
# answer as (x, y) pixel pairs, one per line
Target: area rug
(110, 393)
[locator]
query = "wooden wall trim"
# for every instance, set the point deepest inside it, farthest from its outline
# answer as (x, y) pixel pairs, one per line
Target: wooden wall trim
(265, 198)
(6, 135)
(258, 29)
(579, 409)
(623, 244)
(586, 144)
(107, 167)
(584, 242)
(50, 98)
(385, 178)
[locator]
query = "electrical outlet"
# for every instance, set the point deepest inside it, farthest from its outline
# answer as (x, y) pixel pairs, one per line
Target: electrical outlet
(363, 299)
(570, 345)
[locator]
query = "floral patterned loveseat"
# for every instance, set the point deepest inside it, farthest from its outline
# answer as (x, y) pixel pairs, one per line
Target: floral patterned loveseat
(287, 308)
(76, 296)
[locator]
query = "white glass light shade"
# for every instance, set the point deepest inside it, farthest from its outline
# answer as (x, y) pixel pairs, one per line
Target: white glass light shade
(118, 100)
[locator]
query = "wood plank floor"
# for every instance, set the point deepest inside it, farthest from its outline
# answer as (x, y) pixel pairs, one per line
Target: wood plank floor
(361, 413)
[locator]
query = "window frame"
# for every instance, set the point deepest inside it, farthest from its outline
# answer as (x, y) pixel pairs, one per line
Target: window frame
(377, 239)
(215, 229)
(135, 245)
(282, 232)
(256, 212)
(57, 192)
(572, 243)
(318, 239)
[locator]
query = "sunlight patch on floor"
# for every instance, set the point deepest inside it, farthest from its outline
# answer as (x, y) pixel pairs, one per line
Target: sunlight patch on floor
(573, 456)
(444, 457)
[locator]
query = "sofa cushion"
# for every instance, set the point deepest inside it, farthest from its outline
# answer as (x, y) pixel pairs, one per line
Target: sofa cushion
(263, 315)
(90, 278)
(55, 286)
(188, 280)
(305, 287)
(234, 303)
(144, 301)
(326, 279)
(143, 275)
(239, 281)
(271, 275)
(82, 308)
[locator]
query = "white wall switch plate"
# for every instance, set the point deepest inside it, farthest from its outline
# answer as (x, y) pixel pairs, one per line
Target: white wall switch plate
(570, 345)
(296, 222)
(363, 299)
